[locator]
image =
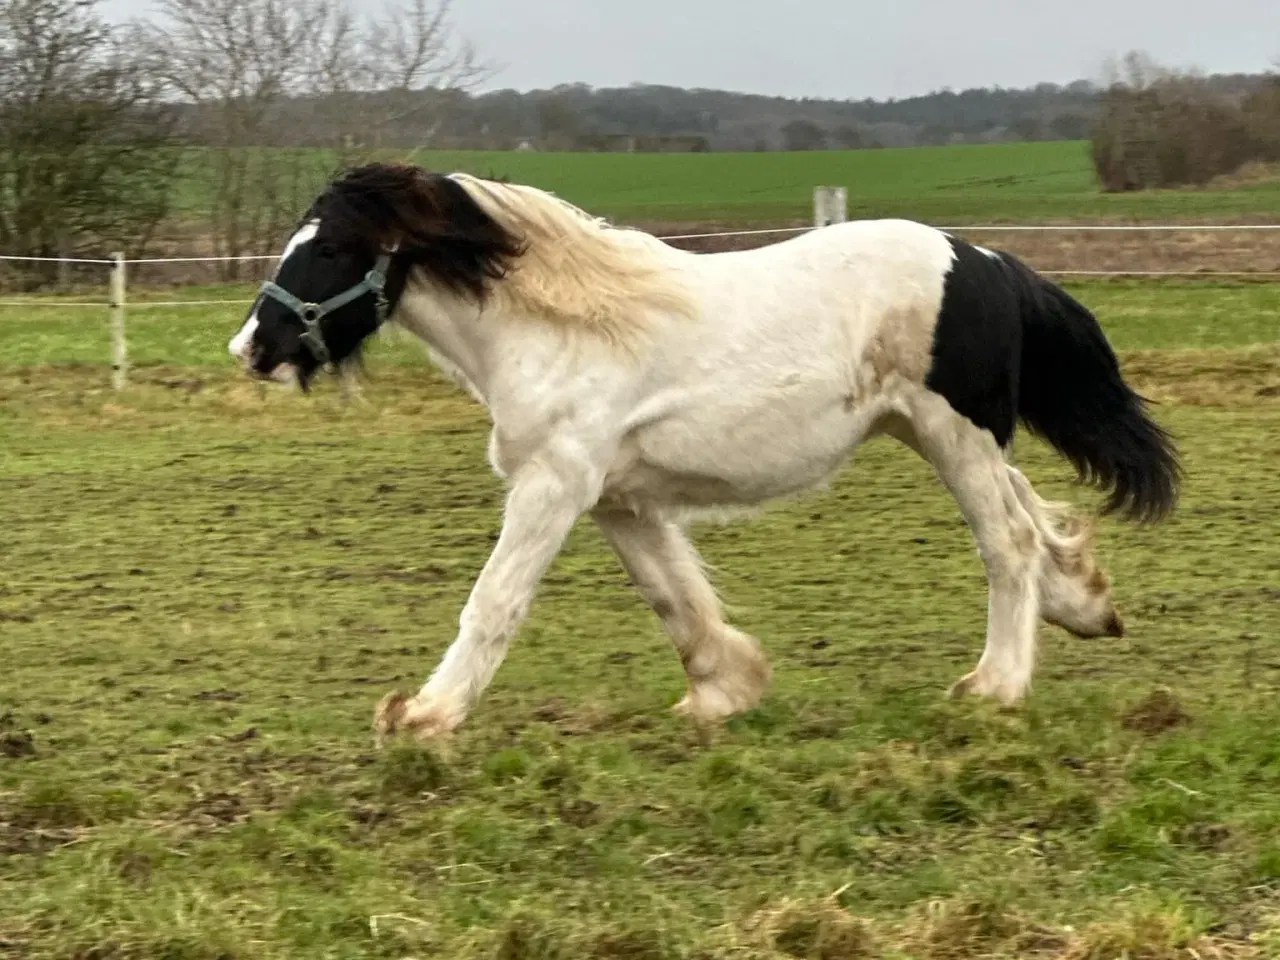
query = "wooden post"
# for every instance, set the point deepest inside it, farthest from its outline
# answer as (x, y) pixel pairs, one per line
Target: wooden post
(119, 347)
(64, 266)
(830, 205)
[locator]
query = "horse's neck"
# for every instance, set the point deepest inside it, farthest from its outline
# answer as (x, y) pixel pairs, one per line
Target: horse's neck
(449, 331)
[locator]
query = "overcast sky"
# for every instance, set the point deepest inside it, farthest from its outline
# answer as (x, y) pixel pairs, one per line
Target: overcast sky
(849, 48)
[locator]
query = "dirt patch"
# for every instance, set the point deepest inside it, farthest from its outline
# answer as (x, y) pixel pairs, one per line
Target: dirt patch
(17, 745)
(219, 696)
(1211, 377)
(1252, 174)
(552, 711)
(580, 813)
(20, 838)
(1156, 713)
(217, 809)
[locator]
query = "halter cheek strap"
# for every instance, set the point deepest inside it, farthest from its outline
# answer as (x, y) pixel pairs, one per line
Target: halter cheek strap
(375, 282)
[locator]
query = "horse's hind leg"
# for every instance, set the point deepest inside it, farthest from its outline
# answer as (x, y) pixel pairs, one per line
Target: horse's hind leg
(1074, 592)
(727, 671)
(971, 465)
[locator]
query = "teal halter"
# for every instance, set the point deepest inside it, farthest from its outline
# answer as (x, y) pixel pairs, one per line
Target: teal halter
(375, 282)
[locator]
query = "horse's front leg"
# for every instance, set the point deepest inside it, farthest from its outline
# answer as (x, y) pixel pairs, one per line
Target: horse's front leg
(546, 497)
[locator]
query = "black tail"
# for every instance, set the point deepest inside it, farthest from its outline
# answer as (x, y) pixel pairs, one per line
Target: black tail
(1071, 393)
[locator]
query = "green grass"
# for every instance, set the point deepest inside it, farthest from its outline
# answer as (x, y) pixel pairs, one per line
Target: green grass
(206, 587)
(1029, 182)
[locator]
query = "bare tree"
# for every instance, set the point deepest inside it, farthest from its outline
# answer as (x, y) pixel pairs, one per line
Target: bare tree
(1164, 128)
(403, 71)
(263, 76)
(83, 163)
(1262, 115)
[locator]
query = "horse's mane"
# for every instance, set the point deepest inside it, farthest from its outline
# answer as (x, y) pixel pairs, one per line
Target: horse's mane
(528, 249)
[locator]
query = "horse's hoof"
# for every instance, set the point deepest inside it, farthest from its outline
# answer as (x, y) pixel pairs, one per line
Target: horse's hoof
(977, 685)
(388, 715)
(402, 712)
(961, 688)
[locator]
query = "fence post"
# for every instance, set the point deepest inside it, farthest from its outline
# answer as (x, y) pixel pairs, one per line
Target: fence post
(119, 347)
(830, 205)
(64, 265)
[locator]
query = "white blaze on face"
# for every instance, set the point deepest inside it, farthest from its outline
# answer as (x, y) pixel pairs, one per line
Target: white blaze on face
(306, 233)
(240, 344)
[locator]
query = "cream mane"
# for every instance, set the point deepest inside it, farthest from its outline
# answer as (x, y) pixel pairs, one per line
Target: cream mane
(578, 269)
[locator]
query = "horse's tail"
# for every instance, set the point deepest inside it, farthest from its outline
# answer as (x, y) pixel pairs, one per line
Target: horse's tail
(1071, 393)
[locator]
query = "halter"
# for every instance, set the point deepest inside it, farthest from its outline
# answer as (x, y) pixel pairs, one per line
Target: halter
(375, 282)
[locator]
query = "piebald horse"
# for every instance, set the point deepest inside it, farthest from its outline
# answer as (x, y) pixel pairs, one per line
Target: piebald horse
(642, 385)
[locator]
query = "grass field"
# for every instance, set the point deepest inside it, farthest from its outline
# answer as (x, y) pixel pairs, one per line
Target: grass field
(1034, 182)
(205, 587)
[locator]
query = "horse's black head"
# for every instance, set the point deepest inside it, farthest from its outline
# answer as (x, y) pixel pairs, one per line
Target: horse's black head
(344, 270)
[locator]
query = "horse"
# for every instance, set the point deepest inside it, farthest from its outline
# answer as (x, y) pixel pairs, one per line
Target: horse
(642, 385)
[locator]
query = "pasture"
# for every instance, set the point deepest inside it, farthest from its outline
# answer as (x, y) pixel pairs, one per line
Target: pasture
(206, 586)
(1028, 182)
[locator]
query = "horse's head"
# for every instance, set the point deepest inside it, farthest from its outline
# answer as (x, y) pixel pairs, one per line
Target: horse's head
(342, 273)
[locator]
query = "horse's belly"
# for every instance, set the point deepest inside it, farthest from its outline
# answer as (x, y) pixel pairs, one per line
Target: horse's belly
(710, 461)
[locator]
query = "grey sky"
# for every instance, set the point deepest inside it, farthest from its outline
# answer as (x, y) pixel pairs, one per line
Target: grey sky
(850, 48)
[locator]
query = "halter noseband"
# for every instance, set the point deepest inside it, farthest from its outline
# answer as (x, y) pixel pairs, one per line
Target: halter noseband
(375, 282)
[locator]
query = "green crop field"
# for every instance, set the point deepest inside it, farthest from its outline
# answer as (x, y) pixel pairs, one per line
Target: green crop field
(1036, 182)
(205, 587)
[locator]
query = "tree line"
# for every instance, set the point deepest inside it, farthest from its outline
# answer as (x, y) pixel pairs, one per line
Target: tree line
(96, 119)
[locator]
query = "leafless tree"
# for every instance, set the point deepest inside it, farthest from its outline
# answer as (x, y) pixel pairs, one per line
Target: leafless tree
(1164, 128)
(83, 164)
(262, 74)
(401, 70)
(1262, 114)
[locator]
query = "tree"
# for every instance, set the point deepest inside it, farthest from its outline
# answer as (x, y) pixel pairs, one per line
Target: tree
(262, 75)
(83, 132)
(850, 137)
(1160, 128)
(1261, 111)
(1070, 126)
(1027, 127)
(558, 122)
(804, 135)
(395, 78)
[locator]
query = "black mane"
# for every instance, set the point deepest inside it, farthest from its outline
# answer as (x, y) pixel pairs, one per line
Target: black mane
(429, 218)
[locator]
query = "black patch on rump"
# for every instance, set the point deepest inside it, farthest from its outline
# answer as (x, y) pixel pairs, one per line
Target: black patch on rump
(1012, 345)
(977, 342)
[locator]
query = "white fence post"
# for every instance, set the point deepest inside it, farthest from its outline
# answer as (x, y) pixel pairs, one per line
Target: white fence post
(830, 205)
(119, 346)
